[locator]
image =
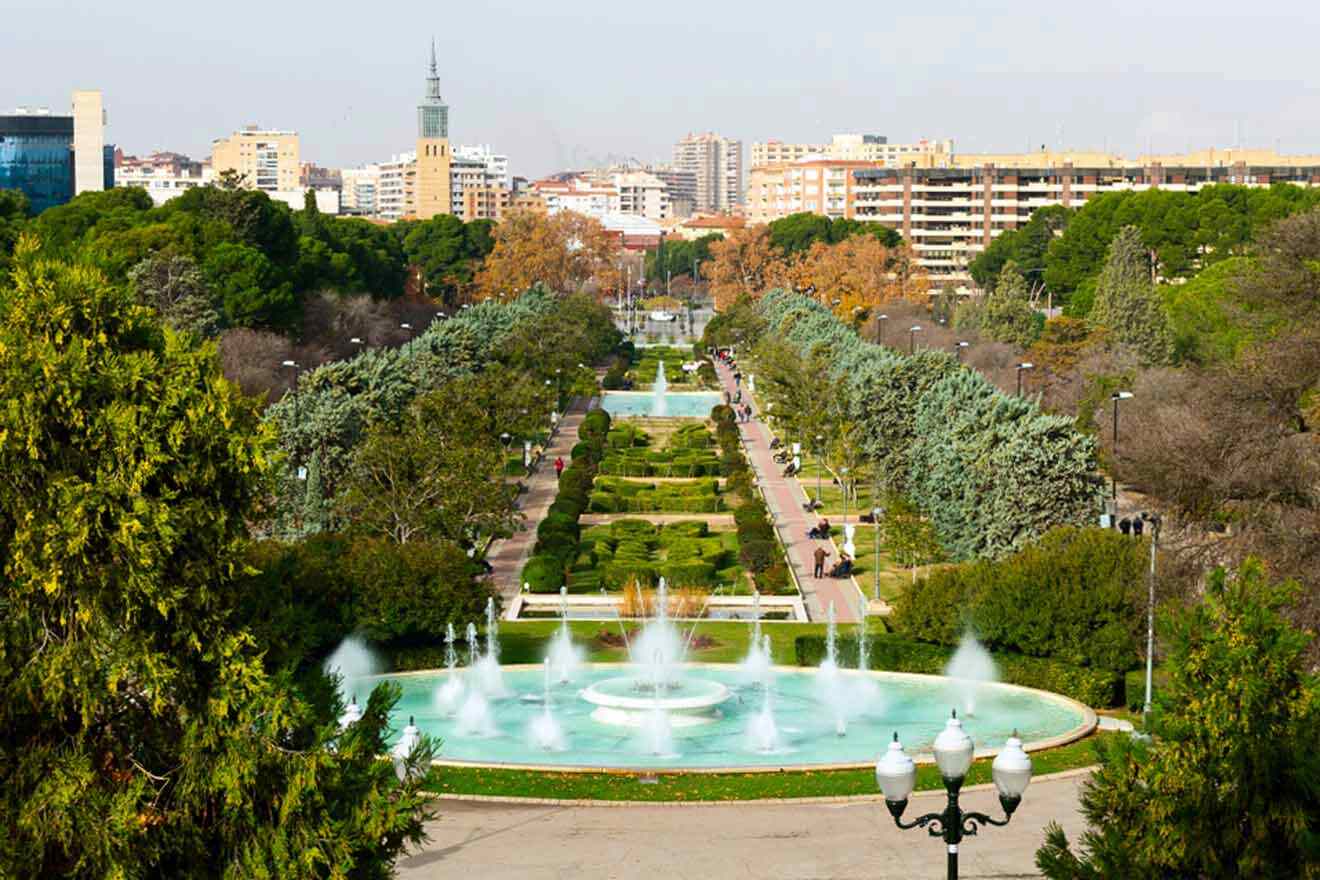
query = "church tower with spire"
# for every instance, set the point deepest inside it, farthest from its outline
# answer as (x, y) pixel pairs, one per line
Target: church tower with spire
(434, 157)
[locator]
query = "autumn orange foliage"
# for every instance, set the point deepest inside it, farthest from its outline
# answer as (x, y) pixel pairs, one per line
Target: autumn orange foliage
(561, 252)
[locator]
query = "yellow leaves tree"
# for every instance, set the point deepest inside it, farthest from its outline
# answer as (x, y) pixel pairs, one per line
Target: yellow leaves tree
(742, 263)
(861, 272)
(562, 252)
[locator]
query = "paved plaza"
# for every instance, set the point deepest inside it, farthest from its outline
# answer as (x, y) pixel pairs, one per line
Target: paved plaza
(856, 839)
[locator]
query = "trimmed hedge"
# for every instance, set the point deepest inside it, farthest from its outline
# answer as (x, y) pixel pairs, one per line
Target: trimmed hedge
(625, 496)
(1094, 687)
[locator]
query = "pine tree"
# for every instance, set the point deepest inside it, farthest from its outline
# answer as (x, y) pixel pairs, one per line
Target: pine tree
(1126, 301)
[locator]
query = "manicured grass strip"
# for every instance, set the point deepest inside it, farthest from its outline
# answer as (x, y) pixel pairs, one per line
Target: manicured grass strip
(621, 786)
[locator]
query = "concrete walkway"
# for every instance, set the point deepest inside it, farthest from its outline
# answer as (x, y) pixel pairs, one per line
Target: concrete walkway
(508, 556)
(785, 499)
(753, 841)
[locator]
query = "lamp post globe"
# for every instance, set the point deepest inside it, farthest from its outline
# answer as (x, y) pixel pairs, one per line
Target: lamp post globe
(1011, 771)
(953, 749)
(896, 773)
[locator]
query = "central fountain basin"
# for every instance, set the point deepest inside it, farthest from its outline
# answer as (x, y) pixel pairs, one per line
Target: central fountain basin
(805, 705)
(626, 701)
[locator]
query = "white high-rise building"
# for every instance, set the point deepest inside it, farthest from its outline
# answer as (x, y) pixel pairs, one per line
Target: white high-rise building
(497, 164)
(718, 165)
(357, 194)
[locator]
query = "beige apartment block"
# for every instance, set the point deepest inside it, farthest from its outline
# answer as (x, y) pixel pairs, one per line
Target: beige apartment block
(950, 215)
(88, 142)
(486, 203)
(264, 159)
(819, 186)
(854, 148)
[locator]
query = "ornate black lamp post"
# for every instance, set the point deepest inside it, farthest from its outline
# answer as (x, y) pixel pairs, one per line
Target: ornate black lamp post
(896, 775)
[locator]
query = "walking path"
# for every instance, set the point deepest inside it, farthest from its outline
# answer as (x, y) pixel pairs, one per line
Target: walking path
(785, 499)
(499, 841)
(508, 556)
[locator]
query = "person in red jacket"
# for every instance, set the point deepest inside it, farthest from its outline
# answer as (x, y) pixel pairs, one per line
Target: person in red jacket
(559, 467)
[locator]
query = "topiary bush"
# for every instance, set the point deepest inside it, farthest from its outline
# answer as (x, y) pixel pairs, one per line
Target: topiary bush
(544, 574)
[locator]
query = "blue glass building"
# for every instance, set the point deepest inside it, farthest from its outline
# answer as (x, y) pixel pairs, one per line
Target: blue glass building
(36, 156)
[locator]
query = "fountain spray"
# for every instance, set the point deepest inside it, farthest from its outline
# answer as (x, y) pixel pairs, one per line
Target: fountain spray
(474, 652)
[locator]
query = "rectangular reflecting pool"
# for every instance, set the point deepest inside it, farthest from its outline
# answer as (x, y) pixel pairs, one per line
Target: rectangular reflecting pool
(663, 404)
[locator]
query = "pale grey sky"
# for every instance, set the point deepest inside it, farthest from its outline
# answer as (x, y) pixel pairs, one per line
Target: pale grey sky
(571, 83)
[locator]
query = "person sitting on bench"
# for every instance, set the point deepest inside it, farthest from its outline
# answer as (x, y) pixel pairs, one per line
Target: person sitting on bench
(843, 567)
(790, 470)
(820, 531)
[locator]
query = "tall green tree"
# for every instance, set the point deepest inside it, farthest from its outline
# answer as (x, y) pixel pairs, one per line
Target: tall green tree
(1126, 303)
(1227, 786)
(1007, 315)
(141, 733)
(174, 286)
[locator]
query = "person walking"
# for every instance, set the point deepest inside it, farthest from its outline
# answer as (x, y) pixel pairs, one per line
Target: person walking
(559, 467)
(821, 555)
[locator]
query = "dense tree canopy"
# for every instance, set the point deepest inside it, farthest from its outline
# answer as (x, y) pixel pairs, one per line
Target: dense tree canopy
(141, 732)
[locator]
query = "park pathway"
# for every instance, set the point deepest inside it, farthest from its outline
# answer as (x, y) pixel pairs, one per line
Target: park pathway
(739, 841)
(785, 498)
(507, 556)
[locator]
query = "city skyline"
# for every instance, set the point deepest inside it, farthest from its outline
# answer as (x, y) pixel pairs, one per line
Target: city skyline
(552, 92)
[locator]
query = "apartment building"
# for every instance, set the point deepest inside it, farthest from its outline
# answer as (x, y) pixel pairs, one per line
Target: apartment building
(951, 214)
(163, 175)
(681, 185)
(872, 148)
(717, 164)
(642, 194)
(396, 193)
(819, 186)
(264, 159)
(358, 190)
(496, 164)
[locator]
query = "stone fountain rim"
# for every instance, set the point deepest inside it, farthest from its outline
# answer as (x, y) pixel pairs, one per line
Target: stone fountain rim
(1089, 723)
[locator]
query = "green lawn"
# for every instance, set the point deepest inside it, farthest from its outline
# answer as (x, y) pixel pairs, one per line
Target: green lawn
(632, 786)
(831, 494)
(892, 575)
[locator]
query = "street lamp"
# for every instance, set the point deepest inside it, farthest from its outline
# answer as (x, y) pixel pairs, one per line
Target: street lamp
(409, 328)
(559, 388)
(881, 321)
(1154, 520)
(820, 438)
(958, 349)
(1025, 365)
(912, 338)
(1113, 468)
(896, 775)
(293, 365)
(357, 342)
(505, 438)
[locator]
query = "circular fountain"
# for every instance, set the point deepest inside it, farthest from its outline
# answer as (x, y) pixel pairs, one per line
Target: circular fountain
(660, 712)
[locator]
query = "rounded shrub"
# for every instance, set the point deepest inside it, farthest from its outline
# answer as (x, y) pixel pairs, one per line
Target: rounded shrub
(545, 574)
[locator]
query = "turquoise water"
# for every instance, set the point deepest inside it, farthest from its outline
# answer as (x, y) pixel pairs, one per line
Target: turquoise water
(873, 706)
(676, 404)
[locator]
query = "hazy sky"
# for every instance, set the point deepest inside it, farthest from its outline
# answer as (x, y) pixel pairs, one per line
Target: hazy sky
(576, 82)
